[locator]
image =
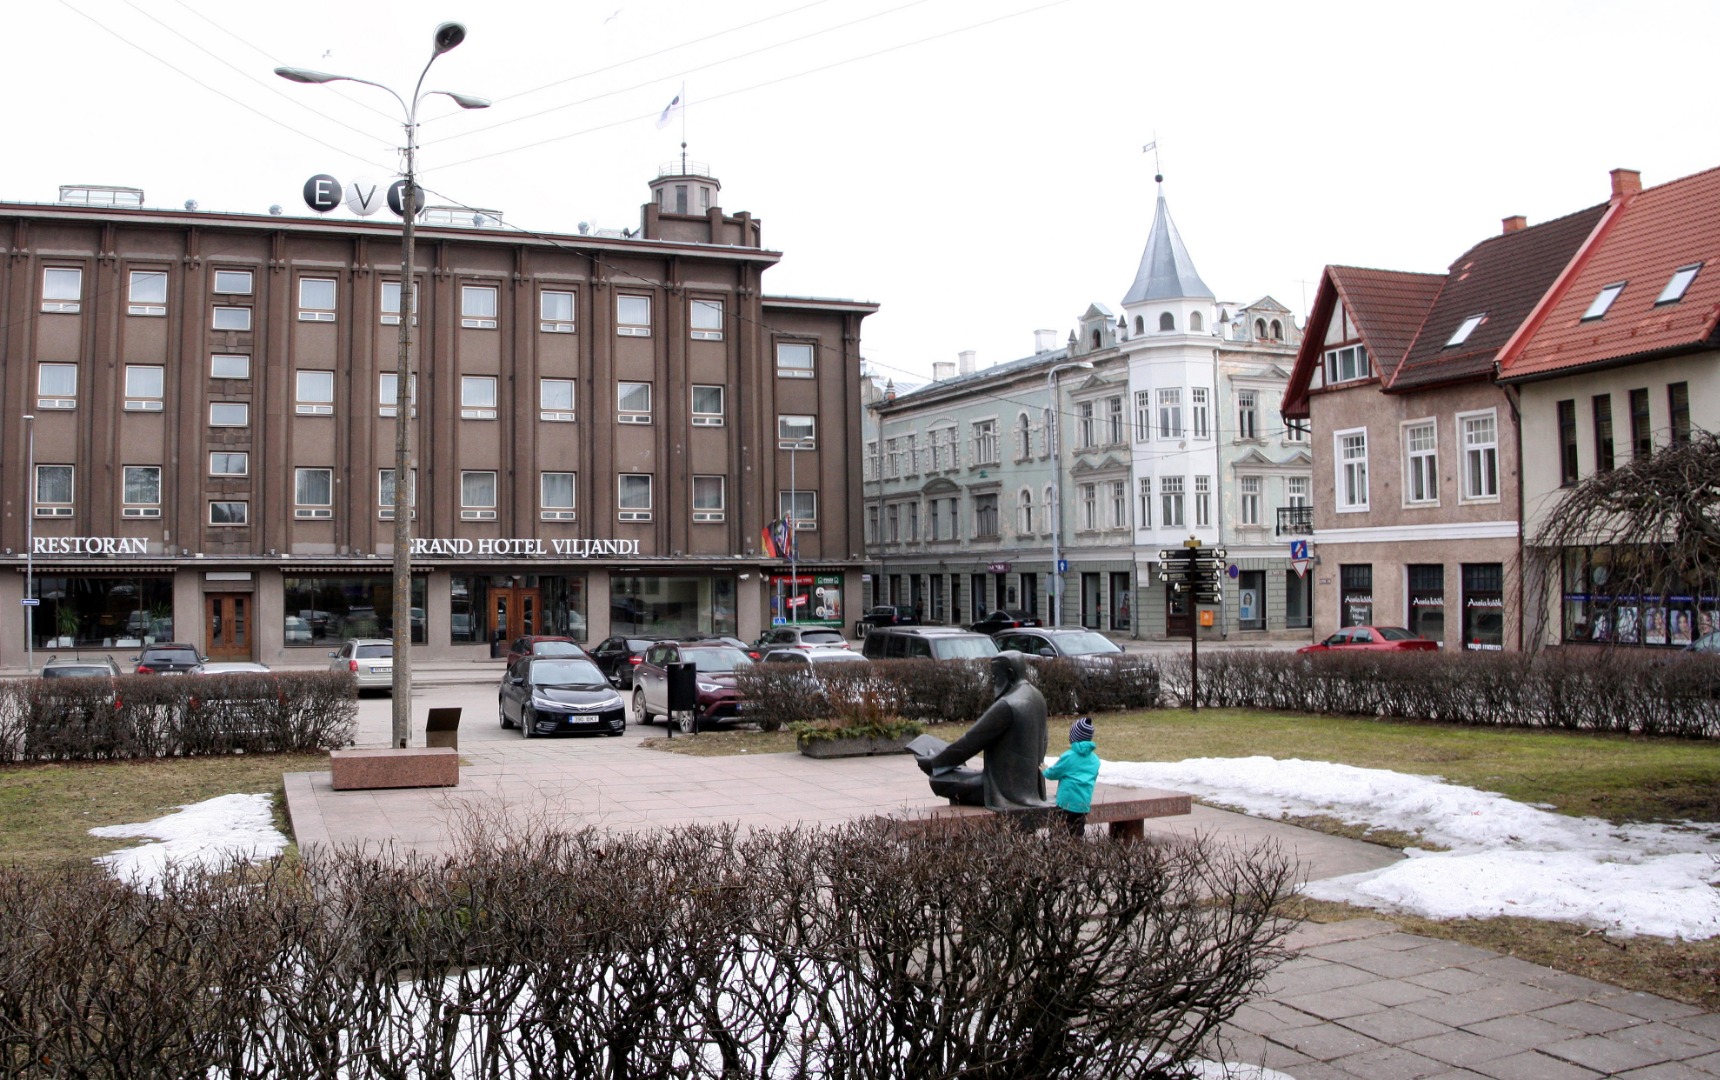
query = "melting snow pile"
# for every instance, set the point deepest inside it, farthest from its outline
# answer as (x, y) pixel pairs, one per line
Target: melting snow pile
(210, 833)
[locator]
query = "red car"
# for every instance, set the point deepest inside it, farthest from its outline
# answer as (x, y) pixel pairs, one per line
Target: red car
(1372, 639)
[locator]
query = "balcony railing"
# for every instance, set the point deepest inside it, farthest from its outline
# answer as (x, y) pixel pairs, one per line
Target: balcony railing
(1295, 521)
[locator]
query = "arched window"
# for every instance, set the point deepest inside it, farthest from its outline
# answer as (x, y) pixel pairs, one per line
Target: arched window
(1095, 338)
(1167, 321)
(1260, 329)
(1140, 325)
(1024, 510)
(1277, 330)
(1050, 509)
(1024, 437)
(1194, 322)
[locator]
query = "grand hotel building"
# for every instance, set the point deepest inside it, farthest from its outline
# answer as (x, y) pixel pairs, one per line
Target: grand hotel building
(604, 424)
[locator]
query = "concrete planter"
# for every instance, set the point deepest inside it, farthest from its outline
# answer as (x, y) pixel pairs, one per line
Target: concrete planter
(856, 747)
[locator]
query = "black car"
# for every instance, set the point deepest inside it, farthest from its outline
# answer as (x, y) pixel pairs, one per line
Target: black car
(617, 656)
(168, 658)
(549, 695)
(884, 615)
(1004, 620)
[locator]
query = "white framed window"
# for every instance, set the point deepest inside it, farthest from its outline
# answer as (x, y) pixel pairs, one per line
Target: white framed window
(1199, 412)
(62, 290)
(229, 463)
(1088, 501)
(709, 498)
(234, 282)
(1347, 364)
(632, 315)
(985, 443)
(556, 495)
(1119, 504)
(146, 293)
(1296, 432)
(385, 492)
(56, 386)
(1298, 491)
(388, 393)
(477, 495)
(229, 414)
(1171, 502)
(706, 318)
(1603, 300)
(800, 432)
(229, 366)
(707, 406)
(1464, 329)
(477, 397)
(633, 496)
(555, 311)
(1084, 437)
(315, 394)
(1023, 512)
(231, 513)
(1421, 462)
(1170, 413)
(316, 299)
(1678, 284)
(1114, 421)
(54, 491)
(555, 400)
(1143, 415)
(1247, 414)
(141, 491)
(1203, 502)
(389, 308)
(1479, 433)
(145, 385)
(633, 402)
(793, 360)
(801, 508)
(1249, 499)
(1146, 504)
(231, 318)
(1351, 461)
(313, 494)
(478, 307)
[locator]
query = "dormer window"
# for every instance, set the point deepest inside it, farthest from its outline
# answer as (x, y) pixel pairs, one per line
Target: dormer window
(1167, 322)
(1681, 279)
(1462, 333)
(1603, 300)
(1194, 321)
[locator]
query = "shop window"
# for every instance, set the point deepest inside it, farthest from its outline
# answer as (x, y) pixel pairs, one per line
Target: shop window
(633, 496)
(231, 318)
(388, 394)
(235, 414)
(234, 282)
(709, 498)
(796, 432)
(322, 611)
(707, 406)
(633, 403)
(390, 306)
(226, 463)
(142, 491)
(313, 493)
(683, 605)
(1426, 588)
(555, 311)
(794, 360)
(478, 307)
(555, 400)
(228, 366)
(477, 496)
(229, 513)
(57, 386)
(632, 315)
(315, 393)
(1484, 606)
(103, 611)
(144, 384)
(555, 496)
(801, 508)
(707, 319)
(1356, 595)
(62, 290)
(147, 293)
(53, 491)
(477, 397)
(1251, 600)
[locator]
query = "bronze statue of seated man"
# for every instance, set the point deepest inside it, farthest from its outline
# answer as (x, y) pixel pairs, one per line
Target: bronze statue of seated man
(1011, 734)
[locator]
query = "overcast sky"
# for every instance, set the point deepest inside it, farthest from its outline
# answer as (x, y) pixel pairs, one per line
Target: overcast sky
(974, 166)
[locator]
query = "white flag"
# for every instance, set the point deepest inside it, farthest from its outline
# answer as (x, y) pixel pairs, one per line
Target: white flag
(669, 112)
(1147, 149)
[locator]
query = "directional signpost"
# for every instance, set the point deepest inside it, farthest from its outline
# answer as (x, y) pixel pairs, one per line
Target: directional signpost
(1197, 575)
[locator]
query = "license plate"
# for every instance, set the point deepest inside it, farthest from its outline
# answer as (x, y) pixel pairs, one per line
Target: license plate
(379, 670)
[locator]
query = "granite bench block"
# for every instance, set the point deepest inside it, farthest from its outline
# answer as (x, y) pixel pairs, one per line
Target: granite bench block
(355, 770)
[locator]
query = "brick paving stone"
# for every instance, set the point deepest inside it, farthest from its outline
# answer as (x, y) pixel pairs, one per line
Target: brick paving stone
(1309, 935)
(1509, 967)
(1605, 1053)
(1397, 965)
(1393, 992)
(1674, 1042)
(1453, 980)
(1702, 1024)
(1525, 1031)
(1457, 1074)
(1666, 1070)
(1530, 1065)
(1576, 987)
(1588, 1017)
(1264, 1017)
(1455, 953)
(1331, 1004)
(1390, 1063)
(1324, 1042)
(1318, 1071)
(1314, 977)
(1650, 1006)
(1464, 1010)
(1401, 941)
(1394, 1026)
(1346, 950)
(1461, 1048)
(1709, 1065)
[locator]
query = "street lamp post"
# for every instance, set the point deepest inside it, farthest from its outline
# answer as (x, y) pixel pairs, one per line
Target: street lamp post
(30, 547)
(1056, 507)
(447, 36)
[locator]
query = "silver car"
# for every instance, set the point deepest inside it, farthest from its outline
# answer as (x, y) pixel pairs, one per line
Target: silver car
(370, 661)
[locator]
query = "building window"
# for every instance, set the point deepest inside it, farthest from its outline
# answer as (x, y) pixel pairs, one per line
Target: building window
(633, 402)
(1347, 364)
(388, 394)
(1194, 322)
(1678, 411)
(1146, 507)
(1484, 606)
(1356, 595)
(632, 315)
(1421, 462)
(1247, 414)
(231, 318)
(801, 508)
(1467, 327)
(228, 366)
(227, 463)
(1296, 431)
(1352, 463)
(1297, 490)
(798, 432)
(871, 525)
(53, 491)
(893, 518)
(1641, 434)
(1676, 286)
(236, 282)
(985, 516)
(1603, 432)
(633, 496)
(142, 491)
(316, 393)
(1171, 502)
(1480, 455)
(1203, 502)
(390, 307)
(1023, 512)
(706, 317)
(793, 360)
(1167, 321)
(1567, 443)
(1426, 617)
(1089, 506)
(555, 400)
(985, 448)
(316, 299)
(478, 307)
(1170, 414)
(229, 414)
(57, 386)
(555, 311)
(147, 294)
(709, 498)
(707, 406)
(477, 495)
(1250, 500)
(230, 513)
(144, 387)
(385, 491)
(1198, 409)
(62, 289)
(1114, 421)
(1603, 300)
(313, 493)
(477, 397)
(1084, 425)
(1143, 415)
(555, 495)
(1119, 504)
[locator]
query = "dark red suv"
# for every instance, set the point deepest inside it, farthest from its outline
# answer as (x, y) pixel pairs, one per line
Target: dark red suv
(718, 702)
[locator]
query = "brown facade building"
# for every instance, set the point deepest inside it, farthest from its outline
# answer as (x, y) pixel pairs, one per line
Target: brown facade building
(197, 440)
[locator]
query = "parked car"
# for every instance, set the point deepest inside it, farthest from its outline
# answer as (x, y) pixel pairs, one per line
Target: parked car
(724, 639)
(1372, 639)
(552, 695)
(70, 672)
(617, 656)
(80, 667)
(813, 659)
(233, 667)
(884, 615)
(926, 643)
(1084, 646)
(168, 658)
(543, 645)
(370, 661)
(799, 637)
(1003, 619)
(718, 700)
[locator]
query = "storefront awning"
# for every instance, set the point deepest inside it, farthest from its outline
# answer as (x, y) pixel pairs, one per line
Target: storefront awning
(57, 569)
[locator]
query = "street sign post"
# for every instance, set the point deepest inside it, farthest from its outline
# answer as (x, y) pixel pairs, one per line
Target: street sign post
(1197, 574)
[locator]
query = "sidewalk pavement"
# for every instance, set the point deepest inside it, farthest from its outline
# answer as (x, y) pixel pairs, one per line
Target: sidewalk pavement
(1359, 1000)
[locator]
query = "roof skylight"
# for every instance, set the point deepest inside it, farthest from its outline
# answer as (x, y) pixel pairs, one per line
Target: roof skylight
(1604, 300)
(1466, 329)
(1681, 279)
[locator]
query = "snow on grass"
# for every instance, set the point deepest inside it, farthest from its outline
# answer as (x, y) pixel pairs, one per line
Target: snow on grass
(211, 833)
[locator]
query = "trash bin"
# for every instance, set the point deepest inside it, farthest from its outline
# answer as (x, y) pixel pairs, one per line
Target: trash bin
(683, 687)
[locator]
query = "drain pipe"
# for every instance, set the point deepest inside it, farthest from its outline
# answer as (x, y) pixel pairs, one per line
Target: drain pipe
(1218, 497)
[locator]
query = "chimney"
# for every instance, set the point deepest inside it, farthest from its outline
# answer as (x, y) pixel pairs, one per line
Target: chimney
(943, 369)
(1625, 183)
(1516, 223)
(966, 361)
(1044, 341)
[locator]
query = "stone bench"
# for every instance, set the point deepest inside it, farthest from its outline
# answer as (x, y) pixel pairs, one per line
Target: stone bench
(432, 766)
(1125, 810)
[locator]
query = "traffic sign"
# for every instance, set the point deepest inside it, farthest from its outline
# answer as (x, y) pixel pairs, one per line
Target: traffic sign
(1062, 566)
(1300, 566)
(30, 601)
(1299, 550)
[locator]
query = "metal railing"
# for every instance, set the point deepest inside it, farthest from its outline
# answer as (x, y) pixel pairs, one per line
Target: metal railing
(1295, 521)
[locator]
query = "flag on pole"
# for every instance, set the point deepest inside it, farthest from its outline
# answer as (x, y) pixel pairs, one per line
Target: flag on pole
(669, 111)
(1150, 147)
(767, 541)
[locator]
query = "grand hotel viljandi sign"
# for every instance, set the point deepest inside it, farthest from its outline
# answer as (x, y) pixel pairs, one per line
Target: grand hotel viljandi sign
(423, 546)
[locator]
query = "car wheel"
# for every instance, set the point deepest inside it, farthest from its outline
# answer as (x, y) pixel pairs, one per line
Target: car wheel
(639, 705)
(502, 711)
(860, 629)
(528, 720)
(688, 723)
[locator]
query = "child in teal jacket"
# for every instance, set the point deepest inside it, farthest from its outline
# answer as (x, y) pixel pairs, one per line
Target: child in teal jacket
(1075, 772)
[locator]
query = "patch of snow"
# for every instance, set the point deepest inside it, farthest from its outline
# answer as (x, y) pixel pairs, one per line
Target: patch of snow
(210, 833)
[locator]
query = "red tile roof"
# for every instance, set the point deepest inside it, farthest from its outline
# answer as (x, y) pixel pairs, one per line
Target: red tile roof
(1644, 239)
(1386, 307)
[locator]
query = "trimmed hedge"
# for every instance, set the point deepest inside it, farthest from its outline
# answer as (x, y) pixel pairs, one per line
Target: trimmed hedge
(150, 716)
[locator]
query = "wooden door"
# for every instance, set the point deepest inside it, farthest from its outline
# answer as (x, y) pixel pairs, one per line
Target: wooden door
(514, 613)
(227, 629)
(1179, 615)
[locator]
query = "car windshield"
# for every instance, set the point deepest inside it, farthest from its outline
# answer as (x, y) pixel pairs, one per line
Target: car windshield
(555, 648)
(975, 647)
(170, 656)
(68, 671)
(374, 652)
(1087, 644)
(570, 672)
(716, 659)
(821, 637)
(1394, 633)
